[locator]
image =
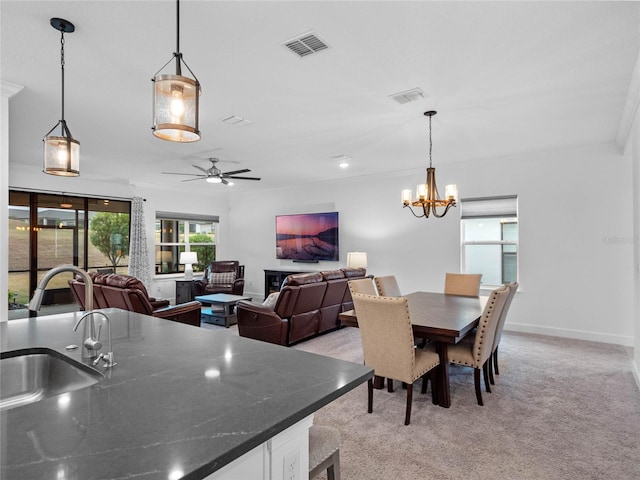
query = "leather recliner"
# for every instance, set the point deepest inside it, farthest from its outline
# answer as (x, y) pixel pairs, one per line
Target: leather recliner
(216, 278)
(129, 293)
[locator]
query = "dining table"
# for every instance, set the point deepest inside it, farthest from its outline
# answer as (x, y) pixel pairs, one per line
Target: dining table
(444, 319)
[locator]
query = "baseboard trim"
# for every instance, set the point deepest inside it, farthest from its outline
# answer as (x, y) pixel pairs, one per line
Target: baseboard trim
(626, 341)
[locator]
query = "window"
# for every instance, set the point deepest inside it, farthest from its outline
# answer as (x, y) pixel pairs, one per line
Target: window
(47, 229)
(180, 232)
(490, 238)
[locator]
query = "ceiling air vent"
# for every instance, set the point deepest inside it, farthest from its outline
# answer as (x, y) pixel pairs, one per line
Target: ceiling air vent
(306, 44)
(408, 96)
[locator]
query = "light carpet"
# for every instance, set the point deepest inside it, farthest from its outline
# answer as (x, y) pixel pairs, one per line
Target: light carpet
(560, 409)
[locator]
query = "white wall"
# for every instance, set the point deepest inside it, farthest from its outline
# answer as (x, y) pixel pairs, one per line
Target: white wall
(575, 215)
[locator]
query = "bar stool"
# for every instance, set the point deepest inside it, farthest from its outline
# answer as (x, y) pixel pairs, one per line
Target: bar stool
(324, 451)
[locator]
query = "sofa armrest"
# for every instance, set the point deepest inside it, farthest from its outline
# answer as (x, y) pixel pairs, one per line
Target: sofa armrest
(188, 313)
(260, 322)
(238, 286)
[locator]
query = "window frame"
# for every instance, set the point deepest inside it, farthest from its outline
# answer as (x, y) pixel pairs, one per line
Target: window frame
(183, 220)
(503, 208)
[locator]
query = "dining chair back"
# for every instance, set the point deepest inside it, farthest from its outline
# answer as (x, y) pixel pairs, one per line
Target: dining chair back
(388, 345)
(513, 288)
(477, 354)
(363, 285)
(388, 286)
(466, 284)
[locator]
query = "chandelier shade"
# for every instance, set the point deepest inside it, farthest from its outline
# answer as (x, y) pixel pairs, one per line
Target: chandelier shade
(176, 100)
(428, 199)
(61, 154)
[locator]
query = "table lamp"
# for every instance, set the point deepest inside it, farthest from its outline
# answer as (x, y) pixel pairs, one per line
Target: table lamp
(187, 259)
(357, 260)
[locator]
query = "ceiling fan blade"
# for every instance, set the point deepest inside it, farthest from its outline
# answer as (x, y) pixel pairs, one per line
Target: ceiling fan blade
(244, 178)
(224, 181)
(200, 177)
(244, 170)
(190, 174)
(201, 169)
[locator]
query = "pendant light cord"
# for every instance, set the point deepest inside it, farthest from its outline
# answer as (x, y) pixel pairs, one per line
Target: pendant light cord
(62, 68)
(178, 55)
(430, 142)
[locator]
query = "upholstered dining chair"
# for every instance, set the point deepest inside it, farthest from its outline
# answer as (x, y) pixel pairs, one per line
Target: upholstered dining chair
(466, 284)
(363, 285)
(388, 286)
(471, 337)
(513, 288)
(477, 354)
(388, 346)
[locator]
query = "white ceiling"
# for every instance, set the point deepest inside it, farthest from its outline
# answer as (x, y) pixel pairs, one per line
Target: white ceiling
(505, 77)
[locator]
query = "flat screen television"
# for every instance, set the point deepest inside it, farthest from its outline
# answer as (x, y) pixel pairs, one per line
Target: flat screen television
(307, 237)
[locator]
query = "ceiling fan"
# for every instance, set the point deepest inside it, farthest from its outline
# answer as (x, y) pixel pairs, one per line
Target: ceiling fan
(214, 175)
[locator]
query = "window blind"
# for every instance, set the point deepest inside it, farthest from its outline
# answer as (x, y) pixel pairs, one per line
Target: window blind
(187, 216)
(486, 207)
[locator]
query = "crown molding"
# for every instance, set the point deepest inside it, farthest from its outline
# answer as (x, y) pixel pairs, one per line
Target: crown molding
(9, 89)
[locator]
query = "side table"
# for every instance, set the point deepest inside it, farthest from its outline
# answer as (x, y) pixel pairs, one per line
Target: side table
(184, 291)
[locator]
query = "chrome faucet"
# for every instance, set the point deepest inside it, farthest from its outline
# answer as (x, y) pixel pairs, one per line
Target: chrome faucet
(38, 295)
(91, 344)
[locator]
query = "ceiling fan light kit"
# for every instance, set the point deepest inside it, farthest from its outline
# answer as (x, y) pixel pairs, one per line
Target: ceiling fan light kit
(61, 154)
(427, 195)
(176, 99)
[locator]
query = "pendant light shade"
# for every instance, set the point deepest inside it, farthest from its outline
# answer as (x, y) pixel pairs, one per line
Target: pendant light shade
(176, 100)
(61, 152)
(175, 108)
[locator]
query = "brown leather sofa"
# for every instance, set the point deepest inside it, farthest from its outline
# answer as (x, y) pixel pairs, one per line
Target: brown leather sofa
(308, 304)
(129, 293)
(226, 276)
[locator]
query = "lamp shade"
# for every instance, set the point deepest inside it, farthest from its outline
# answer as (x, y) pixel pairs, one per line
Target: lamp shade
(175, 108)
(357, 259)
(61, 156)
(188, 257)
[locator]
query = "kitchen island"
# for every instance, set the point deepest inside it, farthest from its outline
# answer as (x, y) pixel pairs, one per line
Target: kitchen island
(181, 402)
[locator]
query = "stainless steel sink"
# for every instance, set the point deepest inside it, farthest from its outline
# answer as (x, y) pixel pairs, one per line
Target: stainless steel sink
(31, 375)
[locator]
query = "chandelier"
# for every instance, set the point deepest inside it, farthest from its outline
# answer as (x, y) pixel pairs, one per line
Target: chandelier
(61, 153)
(427, 193)
(176, 99)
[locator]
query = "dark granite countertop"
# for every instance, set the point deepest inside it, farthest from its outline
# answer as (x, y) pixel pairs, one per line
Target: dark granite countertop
(181, 402)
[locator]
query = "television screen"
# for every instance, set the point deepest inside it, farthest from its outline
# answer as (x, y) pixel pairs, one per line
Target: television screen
(308, 237)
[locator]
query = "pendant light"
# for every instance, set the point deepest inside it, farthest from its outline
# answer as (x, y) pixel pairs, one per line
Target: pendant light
(176, 99)
(428, 200)
(61, 153)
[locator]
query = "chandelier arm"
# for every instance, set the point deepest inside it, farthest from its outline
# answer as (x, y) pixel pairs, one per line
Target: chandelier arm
(414, 213)
(449, 205)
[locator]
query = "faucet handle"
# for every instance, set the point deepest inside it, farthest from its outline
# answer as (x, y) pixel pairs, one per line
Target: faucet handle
(92, 344)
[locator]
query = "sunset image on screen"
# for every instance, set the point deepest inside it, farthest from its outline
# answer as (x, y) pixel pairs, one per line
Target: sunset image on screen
(307, 237)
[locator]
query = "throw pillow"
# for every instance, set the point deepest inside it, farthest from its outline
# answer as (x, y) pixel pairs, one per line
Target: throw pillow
(271, 300)
(224, 278)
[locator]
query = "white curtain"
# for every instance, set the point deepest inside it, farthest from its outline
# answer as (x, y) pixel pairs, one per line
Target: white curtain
(138, 251)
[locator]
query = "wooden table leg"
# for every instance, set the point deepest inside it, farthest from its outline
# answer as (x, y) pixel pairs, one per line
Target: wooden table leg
(444, 395)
